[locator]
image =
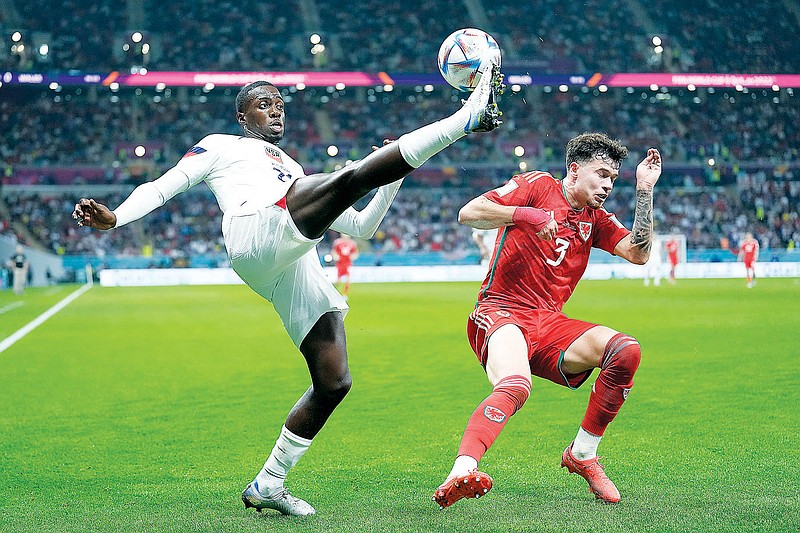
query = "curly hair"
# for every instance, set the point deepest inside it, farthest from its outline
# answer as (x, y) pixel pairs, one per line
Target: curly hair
(588, 146)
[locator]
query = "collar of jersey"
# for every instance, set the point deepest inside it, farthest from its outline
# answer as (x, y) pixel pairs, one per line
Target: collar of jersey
(564, 194)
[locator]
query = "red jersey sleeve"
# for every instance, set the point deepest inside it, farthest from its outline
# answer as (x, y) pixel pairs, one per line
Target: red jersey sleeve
(521, 190)
(609, 231)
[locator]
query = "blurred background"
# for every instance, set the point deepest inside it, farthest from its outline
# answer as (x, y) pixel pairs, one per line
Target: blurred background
(108, 95)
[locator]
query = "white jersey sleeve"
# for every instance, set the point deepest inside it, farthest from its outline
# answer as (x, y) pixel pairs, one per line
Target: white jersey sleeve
(190, 170)
(363, 224)
(199, 160)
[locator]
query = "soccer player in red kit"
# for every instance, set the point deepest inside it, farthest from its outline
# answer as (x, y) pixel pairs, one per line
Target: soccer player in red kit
(672, 247)
(517, 329)
(344, 252)
(748, 252)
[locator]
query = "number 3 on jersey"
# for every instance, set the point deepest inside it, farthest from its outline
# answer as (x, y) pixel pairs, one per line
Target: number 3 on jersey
(561, 249)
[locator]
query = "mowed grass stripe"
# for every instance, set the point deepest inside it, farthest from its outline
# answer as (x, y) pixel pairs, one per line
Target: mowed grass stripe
(149, 409)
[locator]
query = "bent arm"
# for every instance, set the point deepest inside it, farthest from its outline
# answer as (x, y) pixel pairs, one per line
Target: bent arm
(637, 249)
(363, 224)
(482, 213)
(150, 196)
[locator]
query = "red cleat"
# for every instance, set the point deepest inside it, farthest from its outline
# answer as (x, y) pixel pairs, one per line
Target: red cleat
(472, 485)
(592, 471)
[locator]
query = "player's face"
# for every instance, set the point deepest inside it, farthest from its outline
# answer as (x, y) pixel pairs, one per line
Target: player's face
(263, 116)
(593, 181)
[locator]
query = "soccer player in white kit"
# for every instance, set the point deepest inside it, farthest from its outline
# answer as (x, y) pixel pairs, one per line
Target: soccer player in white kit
(273, 217)
(652, 269)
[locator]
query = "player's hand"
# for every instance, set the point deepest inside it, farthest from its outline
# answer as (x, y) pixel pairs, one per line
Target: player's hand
(548, 233)
(649, 170)
(93, 215)
(385, 142)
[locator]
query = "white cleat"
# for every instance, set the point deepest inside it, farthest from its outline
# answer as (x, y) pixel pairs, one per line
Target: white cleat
(283, 502)
(484, 115)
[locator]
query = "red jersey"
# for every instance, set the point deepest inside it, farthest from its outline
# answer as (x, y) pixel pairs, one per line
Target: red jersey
(749, 250)
(345, 248)
(672, 251)
(530, 272)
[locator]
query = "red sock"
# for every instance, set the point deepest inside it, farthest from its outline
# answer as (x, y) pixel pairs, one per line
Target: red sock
(620, 361)
(488, 420)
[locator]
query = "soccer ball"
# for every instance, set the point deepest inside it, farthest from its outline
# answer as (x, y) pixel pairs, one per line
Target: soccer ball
(464, 55)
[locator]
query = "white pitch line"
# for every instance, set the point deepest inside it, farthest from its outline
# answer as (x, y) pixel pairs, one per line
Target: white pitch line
(39, 320)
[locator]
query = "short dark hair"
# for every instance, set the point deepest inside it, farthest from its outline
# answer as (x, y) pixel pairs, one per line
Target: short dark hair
(587, 146)
(243, 98)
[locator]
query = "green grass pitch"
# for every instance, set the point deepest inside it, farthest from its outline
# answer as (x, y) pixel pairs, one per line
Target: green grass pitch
(150, 409)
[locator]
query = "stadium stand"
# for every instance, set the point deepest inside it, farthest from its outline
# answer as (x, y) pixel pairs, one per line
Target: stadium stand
(58, 144)
(549, 35)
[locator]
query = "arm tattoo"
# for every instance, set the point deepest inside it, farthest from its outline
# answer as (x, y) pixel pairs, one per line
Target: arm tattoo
(642, 233)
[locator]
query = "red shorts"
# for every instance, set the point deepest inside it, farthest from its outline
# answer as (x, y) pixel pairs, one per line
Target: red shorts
(548, 334)
(748, 264)
(342, 269)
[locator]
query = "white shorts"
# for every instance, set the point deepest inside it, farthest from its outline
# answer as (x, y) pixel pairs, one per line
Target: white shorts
(270, 254)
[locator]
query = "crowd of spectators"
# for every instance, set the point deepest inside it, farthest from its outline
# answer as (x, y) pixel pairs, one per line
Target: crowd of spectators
(422, 219)
(727, 152)
(729, 35)
(548, 36)
(97, 127)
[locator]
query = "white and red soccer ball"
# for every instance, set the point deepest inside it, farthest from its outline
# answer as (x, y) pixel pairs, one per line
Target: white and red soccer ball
(464, 55)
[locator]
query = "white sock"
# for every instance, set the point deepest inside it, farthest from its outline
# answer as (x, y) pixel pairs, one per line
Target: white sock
(420, 145)
(463, 465)
(585, 445)
(288, 450)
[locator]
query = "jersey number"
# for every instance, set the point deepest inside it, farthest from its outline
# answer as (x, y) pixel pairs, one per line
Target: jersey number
(282, 176)
(561, 248)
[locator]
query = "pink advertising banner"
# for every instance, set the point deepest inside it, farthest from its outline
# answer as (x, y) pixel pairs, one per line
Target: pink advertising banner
(702, 80)
(237, 79)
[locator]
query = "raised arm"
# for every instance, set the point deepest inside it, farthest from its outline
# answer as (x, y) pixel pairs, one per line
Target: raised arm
(144, 199)
(637, 248)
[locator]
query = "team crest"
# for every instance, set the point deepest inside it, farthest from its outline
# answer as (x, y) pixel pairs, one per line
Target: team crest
(273, 154)
(494, 414)
(625, 393)
(585, 230)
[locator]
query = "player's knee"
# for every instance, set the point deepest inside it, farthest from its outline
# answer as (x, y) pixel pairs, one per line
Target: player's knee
(333, 391)
(622, 354)
(516, 388)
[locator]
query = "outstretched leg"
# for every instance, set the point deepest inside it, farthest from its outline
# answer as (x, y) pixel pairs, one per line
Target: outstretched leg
(325, 351)
(315, 201)
(508, 371)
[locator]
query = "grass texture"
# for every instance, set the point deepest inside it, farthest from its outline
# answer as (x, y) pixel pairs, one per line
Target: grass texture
(150, 409)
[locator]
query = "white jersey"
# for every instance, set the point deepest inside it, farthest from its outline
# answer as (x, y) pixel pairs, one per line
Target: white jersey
(240, 169)
(244, 170)
(249, 178)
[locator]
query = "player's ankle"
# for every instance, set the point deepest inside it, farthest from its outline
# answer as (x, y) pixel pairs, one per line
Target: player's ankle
(463, 465)
(584, 447)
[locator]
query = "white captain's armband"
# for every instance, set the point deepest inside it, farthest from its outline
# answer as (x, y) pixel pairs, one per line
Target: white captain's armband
(507, 188)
